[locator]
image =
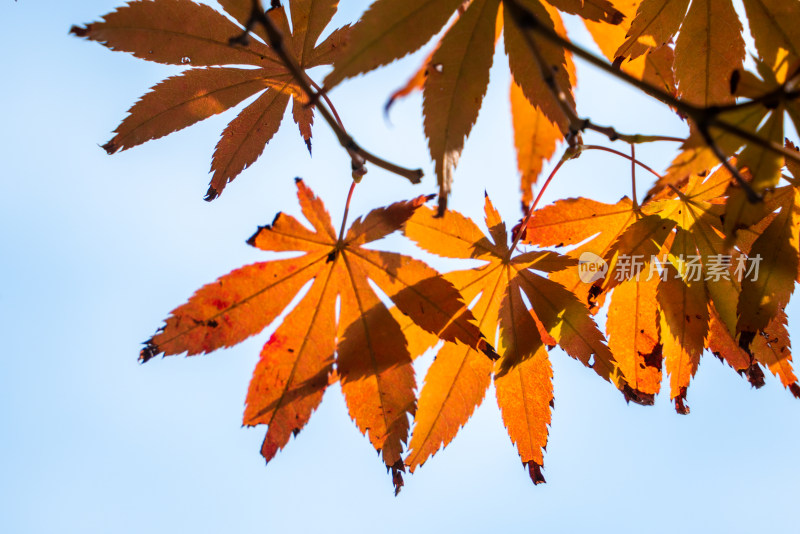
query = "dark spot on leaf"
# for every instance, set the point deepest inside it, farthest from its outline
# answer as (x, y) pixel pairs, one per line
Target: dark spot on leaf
(736, 76)
(594, 292)
(654, 358)
(615, 17)
(745, 339)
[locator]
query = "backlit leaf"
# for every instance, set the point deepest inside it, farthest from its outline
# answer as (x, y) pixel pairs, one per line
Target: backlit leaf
(555, 316)
(366, 344)
(182, 32)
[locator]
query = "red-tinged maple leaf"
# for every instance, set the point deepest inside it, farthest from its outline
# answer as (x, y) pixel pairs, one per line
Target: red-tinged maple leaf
(371, 357)
(459, 376)
(182, 32)
(456, 76)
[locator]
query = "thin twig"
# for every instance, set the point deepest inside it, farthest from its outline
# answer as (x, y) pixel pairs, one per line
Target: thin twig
(752, 196)
(633, 160)
(347, 209)
(614, 135)
(702, 116)
(564, 103)
(568, 154)
(327, 100)
(358, 154)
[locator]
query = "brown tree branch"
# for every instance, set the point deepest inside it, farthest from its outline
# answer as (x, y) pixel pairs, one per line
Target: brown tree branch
(358, 155)
(704, 117)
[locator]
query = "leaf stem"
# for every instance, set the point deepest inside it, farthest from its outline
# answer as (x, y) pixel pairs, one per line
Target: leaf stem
(347, 209)
(328, 101)
(632, 159)
(568, 154)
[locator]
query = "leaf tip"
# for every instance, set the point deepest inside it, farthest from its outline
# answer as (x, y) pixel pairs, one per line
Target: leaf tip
(441, 209)
(535, 472)
(637, 397)
(615, 17)
(211, 194)
(754, 375)
(253, 238)
(110, 147)
(149, 351)
(80, 31)
(680, 403)
(397, 471)
(486, 348)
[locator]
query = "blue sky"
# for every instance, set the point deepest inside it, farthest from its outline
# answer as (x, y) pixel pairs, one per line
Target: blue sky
(96, 250)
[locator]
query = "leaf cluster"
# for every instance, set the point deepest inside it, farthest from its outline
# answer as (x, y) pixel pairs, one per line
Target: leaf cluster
(676, 269)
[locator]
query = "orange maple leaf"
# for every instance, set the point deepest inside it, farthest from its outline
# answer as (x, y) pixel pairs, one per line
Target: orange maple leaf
(456, 76)
(664, 312)
(458, 379)
(372, 360)
(182, 32)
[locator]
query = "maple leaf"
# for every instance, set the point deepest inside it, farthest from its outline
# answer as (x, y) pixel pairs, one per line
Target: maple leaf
(710, 46)
(372, 360)
(455, 78)
(535, 135)
(459, 377)
(777, 248)
(654, 67)
(778, 70)
(535, 139)
(679, 309)
(182, 32)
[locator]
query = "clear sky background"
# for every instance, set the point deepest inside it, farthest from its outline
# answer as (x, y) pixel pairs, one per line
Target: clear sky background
(96, 250)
